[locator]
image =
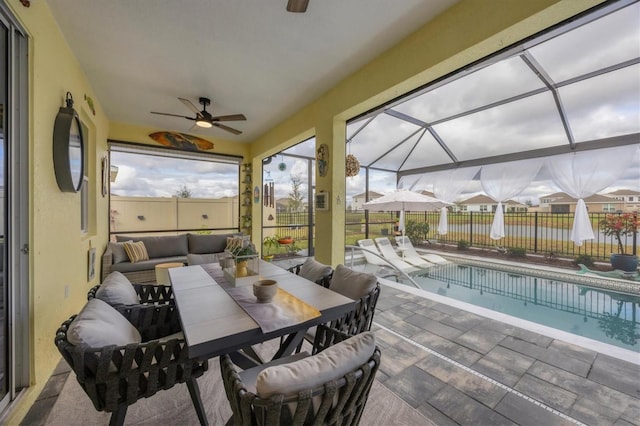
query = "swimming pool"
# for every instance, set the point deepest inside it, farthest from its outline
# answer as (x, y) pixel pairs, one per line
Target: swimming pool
(601, 314)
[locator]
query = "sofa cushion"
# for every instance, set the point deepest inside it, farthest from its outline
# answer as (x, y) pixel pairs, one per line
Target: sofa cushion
(118, 253)
(313, 270)
(163, 246)
(201, 259)
(351, 283)
(98, 324)
(136, 251)
(206, 244)
(116, 289)
(311, 372)
(146, 265)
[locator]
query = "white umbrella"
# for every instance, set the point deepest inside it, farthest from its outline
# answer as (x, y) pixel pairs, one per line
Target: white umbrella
(402, 201)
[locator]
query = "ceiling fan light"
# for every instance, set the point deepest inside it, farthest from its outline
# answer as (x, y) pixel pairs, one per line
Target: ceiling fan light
(204, 124)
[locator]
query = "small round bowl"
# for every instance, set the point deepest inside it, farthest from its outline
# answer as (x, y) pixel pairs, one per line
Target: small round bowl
(265, 290)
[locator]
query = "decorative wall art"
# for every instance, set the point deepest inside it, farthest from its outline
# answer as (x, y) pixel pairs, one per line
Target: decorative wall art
(322, 201)
(181, 141)
(91, 270)
(322, 158)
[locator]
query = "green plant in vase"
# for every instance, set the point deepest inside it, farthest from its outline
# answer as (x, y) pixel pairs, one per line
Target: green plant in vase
(269, 243)
(619, 225)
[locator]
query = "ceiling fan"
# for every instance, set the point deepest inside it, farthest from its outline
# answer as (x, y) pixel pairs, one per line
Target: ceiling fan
(297, 6)
(204, 119)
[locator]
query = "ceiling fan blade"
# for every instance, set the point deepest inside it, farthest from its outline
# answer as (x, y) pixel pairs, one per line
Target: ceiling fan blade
(232, 117)
(227, 128)
(297, 6)
(190, 105)
(172, 115)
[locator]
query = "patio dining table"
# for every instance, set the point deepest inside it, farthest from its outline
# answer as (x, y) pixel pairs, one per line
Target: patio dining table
(215, 324)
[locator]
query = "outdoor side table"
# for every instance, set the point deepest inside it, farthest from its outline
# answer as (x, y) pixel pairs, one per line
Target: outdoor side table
(162, 272)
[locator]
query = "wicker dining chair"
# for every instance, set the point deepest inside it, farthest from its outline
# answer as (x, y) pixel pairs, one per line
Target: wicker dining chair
(314, 271)
(147, 293)
(339, 401)
(114, 377)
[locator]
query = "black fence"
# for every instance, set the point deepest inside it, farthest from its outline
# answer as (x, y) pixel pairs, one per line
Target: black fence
(544, 233)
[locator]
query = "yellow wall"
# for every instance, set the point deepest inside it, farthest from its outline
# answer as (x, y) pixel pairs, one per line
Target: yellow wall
(469, 31)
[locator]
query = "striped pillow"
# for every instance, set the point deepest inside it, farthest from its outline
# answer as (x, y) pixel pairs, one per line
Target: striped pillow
(136, 251)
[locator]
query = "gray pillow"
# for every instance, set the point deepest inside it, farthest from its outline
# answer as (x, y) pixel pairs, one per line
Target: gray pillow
(117, 289)
(314, 270)
(119, 255)
(207, 243)
(99, 325)
(352, 284)
(311, 372)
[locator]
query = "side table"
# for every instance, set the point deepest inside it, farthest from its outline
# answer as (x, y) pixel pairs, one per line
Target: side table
(162, 272)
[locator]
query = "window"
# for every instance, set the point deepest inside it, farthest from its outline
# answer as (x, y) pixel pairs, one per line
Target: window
(630, 199)
(483, 208)
(159, 189)
(609, 208)
(463, 208)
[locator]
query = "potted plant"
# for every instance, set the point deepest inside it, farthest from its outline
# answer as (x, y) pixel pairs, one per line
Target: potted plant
(619, 225)
(243, 253)
(285, 240)
(269, 243)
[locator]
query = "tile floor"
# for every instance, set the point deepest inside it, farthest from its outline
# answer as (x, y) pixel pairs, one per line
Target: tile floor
(456, 367)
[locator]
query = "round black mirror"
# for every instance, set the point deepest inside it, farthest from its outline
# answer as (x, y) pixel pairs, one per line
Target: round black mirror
(68, 148)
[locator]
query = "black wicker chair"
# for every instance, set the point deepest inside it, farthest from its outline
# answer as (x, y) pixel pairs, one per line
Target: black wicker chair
(115, 377)
(324, 281)
(342, 400)
(149, 294)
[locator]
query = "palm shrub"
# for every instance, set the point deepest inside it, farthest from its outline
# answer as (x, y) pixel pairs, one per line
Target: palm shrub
(463, 245)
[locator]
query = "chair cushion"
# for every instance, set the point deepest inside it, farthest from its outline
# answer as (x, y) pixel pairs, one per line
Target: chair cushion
(314, 270)
(351, 283)
(98, 324)
(117, 289)
(313, 371)
(117, 252)
(136, 251)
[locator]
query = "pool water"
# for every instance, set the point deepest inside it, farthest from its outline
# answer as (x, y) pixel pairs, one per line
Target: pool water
(603, 315)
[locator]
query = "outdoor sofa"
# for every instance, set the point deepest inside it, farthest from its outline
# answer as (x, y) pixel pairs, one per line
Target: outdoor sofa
(183, 248)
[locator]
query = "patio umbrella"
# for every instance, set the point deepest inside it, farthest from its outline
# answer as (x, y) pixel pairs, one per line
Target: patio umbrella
(402, 201)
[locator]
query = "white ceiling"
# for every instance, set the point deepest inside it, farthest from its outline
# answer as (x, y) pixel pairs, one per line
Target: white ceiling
(248, 56)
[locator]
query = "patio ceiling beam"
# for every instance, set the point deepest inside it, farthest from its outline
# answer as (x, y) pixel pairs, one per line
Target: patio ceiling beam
(631, 139)
(425, 125)
(411, 150)
(544, 76)
(394, 147)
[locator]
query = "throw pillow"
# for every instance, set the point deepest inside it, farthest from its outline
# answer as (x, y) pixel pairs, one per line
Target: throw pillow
(234, 243)
(136, 251)
(314, 270)
(352, 284)
(98, 325)
(313, 371)
(117, 289)
(118, 253)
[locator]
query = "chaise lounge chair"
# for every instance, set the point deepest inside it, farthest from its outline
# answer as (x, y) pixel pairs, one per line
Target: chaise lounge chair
(389, 252)
(405, 243)
(368, 244)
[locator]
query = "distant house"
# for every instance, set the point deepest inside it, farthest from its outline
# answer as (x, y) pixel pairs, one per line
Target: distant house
(483, 203)
(360, 199)
(560, 202)
(629, 198)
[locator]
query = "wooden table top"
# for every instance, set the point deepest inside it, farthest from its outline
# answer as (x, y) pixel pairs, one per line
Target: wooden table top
(214, 324)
